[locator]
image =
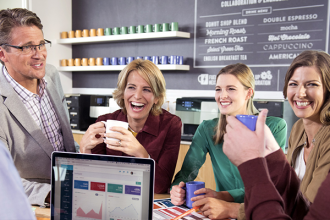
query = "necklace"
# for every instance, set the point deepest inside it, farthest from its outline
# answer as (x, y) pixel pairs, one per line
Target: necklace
(305, 144)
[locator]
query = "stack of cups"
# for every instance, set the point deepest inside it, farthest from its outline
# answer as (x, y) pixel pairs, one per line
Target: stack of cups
(163, 60)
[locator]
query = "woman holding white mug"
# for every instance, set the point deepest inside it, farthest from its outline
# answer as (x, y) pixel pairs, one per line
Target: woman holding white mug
(153, 132)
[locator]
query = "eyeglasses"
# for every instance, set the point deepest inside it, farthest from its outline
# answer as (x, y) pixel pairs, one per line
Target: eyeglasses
(30, 48)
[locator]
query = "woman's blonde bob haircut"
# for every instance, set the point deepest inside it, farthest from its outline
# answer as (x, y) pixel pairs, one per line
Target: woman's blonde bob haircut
(244, 74)
(151, 74)
(321, 60)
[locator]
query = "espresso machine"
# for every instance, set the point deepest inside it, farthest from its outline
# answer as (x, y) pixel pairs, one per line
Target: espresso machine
(99, 105)
(85, 109)
(192, 111)
(78, 106)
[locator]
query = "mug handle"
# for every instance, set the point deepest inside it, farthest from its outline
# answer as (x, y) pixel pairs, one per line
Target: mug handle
(185, 189)
(105, 124)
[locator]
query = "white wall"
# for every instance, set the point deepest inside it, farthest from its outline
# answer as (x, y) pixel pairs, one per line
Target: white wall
(4, 4)
(56, 17)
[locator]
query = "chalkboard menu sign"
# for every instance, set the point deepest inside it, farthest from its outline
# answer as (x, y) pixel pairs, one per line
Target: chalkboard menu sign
(258, 33)
(264, 34)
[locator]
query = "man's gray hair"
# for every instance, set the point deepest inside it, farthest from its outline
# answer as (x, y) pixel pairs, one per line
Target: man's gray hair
(16, 17)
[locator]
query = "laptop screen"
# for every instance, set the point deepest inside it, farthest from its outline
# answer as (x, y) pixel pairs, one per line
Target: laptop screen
(88, 186)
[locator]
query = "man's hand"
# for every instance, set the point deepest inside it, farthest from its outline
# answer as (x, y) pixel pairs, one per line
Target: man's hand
(271, 143)
(240, 143)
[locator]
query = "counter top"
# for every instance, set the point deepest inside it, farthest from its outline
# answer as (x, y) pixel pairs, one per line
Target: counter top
(83, 132)
(44, 213)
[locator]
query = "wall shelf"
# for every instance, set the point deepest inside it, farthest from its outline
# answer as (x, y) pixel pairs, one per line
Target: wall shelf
(117, 68)
(125, 37)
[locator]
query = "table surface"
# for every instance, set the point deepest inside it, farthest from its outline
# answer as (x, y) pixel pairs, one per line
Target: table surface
(44, 213)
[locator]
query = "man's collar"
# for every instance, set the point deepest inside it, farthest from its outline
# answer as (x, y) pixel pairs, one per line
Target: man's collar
(42, 83)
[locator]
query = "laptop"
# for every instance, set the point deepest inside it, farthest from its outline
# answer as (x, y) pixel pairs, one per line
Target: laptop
(91, 186)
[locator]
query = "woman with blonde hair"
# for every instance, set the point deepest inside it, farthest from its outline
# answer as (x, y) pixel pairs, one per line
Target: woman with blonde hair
(153, 132)
(234, 93)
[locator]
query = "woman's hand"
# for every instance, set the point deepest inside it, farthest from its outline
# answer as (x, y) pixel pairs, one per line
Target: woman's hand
(223, 195)
(178, 194)
(217, 209)
(92, 137)
(127, 143)
(208, 193)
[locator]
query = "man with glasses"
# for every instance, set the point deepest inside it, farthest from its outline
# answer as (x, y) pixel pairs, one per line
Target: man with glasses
(34, 117)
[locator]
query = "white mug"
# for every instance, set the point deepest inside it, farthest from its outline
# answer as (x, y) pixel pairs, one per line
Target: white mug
(111, 123)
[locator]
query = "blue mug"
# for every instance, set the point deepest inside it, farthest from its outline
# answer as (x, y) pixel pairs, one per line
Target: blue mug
(155, 59)
(148, 58)
(172, 59)
(114, 61)
(249, 121)
(179, 60)
(139, 57)
(190, 188)
(129, 59)
(122, 61)
(106, 61)
(164, 60)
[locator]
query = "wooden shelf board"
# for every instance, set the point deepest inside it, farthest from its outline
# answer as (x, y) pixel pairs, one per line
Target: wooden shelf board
(125, 37)
(117, 68)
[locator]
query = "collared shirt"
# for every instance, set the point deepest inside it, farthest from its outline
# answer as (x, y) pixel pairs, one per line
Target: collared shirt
(133, 132)
(41, 110)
